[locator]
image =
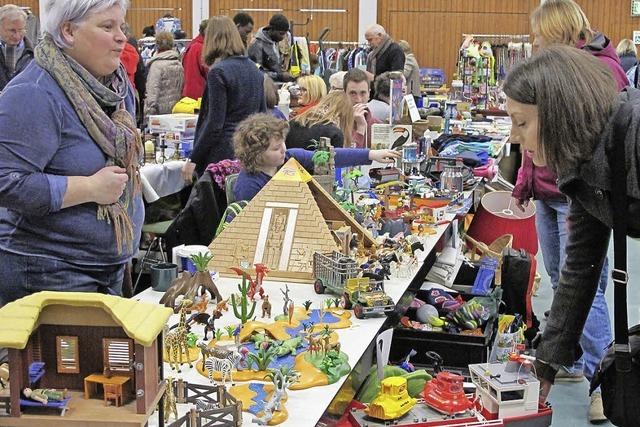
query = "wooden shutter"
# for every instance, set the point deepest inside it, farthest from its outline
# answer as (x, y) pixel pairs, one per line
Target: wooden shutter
(67, 355)
(117, 354)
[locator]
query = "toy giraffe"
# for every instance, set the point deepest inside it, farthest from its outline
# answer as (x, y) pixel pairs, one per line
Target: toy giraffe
(169, 401)
(175, 342)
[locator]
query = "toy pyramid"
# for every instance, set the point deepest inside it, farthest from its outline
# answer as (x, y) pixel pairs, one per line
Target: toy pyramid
(284, 224)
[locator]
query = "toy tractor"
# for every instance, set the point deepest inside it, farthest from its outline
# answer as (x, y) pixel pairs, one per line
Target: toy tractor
(339, 274)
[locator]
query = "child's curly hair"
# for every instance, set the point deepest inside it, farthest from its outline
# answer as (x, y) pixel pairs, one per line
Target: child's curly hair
(253, 136)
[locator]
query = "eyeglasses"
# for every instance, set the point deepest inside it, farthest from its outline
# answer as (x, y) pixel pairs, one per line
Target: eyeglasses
(303, 89)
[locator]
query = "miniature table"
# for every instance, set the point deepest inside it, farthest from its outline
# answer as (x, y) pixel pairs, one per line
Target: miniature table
(92, 381)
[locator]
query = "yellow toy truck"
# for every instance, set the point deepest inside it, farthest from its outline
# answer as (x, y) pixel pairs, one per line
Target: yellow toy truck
(393, 401)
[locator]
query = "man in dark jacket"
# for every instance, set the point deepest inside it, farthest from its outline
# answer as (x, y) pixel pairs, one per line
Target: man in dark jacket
(264, 49)
(16, 51)
(386, 55)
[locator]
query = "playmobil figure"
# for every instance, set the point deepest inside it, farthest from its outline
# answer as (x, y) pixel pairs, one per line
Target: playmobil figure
(4, 374)
(266, 307)
(170, 401)
(43, 395)
(175, 341)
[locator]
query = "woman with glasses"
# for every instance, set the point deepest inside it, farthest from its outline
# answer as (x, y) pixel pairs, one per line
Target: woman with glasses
(312, 89)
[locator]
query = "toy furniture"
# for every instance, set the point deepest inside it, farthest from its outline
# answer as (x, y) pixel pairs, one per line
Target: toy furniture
(113, 392)
(75, 335)
(91, 382)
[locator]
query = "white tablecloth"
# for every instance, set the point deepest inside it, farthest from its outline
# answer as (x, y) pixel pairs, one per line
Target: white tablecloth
(159, 180)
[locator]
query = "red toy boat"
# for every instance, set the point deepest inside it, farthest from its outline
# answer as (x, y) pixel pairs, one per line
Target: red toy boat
(445, 394)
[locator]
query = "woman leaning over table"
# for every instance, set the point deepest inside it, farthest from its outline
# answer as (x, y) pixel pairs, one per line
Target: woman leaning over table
(69, 163)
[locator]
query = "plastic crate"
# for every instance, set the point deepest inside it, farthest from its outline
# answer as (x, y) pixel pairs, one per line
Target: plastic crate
(456, 350)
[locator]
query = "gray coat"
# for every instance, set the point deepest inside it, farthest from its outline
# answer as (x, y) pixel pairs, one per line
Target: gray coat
(590, 219)
(164, 83)
(412, 74)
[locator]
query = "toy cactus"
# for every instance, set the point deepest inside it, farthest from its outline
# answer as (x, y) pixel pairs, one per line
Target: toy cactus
(241, 308)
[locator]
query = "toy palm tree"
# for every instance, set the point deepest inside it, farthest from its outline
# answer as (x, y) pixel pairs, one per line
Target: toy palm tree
(323, 163)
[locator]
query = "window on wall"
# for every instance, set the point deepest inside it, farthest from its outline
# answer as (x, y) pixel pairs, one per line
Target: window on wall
(117, 354)
(67, 355)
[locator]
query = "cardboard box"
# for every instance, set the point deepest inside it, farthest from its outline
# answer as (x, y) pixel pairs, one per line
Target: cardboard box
(183, 123)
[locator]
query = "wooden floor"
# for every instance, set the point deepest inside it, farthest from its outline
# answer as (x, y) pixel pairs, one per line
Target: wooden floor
(80, 412)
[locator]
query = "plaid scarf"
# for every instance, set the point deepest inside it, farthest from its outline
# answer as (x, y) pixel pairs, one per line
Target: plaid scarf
(372, 57)
(116, 136)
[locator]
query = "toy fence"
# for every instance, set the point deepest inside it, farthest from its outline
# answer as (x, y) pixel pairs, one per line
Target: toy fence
(228, 415)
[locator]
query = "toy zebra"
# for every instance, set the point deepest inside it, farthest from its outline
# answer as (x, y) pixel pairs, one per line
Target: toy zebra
(224, 366)
(202, 405)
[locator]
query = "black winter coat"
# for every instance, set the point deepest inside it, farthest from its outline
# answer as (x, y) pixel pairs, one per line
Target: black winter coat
(25, 58)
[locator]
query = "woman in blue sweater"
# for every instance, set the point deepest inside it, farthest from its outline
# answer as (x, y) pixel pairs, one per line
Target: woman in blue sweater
(259, 143)
(235, 90)
(69, 178)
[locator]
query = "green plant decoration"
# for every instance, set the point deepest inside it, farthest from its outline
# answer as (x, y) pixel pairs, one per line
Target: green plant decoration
(243, 313)
(262, 357)
(320, 158)
(307, 305)
(201, 260)
(219, 333)
(230, 329)
(328, 302)
(348, 206)
(336, 302)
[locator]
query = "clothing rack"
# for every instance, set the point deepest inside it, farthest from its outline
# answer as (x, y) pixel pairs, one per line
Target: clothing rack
(498, 36)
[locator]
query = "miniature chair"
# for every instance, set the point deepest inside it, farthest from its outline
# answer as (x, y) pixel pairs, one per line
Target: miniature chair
(112, 392)
(158, 230)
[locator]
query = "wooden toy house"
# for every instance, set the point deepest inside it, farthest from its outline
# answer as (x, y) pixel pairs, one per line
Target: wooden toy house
(95, 346)
(286, 222)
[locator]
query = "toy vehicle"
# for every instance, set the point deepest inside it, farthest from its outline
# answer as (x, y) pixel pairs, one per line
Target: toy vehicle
(339, 274)
(393, 401)
(445, 394)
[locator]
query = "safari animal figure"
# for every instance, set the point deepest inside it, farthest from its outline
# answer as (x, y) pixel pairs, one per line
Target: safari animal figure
(175, 342)
(223, 365)
(4, 374)
(266, 307)
(314, 344)
(170, 401)
(220, 308)
(200, 302)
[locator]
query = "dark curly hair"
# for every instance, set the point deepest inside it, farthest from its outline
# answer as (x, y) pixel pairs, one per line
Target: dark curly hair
(253, 136)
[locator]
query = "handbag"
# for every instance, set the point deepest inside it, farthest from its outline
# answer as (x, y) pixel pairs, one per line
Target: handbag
(619, 372)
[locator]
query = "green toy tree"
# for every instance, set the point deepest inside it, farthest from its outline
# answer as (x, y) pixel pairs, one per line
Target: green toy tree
(262, 357)
(243, 313)
(201, 260)
(219, 333)
(230, 329)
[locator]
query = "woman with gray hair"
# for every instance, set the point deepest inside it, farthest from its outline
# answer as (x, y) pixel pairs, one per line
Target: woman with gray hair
(69, 164)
